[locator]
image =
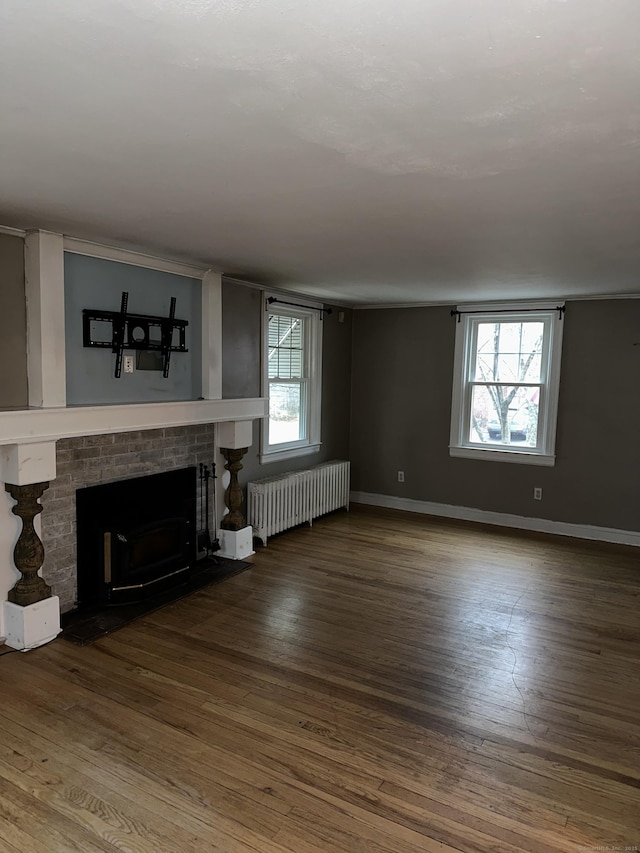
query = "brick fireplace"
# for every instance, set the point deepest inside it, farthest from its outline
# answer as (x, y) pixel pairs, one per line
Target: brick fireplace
(62, 449)
(97, 459)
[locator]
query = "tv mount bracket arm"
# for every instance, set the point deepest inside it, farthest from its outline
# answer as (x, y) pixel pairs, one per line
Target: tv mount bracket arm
(135, 331)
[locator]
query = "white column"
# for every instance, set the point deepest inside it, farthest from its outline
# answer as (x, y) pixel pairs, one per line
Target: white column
(233, 434)
(44, 285)
(10, 527)
(25, 627)
(212, 336)
(234, 544)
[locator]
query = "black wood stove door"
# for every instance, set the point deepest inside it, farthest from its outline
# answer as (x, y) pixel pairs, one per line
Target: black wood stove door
(135, 536)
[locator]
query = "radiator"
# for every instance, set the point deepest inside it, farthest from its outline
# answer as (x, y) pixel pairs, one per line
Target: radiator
(278, 503)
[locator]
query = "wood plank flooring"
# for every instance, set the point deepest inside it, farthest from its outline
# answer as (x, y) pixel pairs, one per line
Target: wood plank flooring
(380, 683)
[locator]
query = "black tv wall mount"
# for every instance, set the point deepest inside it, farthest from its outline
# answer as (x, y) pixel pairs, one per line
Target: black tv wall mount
(134, 331)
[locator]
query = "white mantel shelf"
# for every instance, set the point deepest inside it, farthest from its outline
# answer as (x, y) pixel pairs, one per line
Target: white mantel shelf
(25, 426)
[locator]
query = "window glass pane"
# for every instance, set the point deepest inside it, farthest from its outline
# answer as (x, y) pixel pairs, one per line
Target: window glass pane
(508, 352)
(285, 412)
(285, 347)
(504, 414)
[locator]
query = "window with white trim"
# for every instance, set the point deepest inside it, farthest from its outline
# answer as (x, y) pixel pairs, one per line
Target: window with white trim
(292, 376)
(506, 382)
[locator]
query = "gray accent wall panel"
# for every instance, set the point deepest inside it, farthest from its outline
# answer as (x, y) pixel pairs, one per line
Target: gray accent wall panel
(13, 324)
(97, 283)
(401, 404)
(401, 398)
(598, 449)
(241, 334)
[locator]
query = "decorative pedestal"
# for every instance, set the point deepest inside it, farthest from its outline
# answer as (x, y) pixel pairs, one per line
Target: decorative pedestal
(233, 497)
(28, 554)
(236, 544)
(32, 614)
(32, 626)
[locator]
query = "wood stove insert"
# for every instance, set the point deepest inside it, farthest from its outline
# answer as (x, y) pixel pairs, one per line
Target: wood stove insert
(135, 537)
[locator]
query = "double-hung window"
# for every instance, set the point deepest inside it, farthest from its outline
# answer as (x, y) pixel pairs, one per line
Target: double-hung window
(506, 382)
(292, 356)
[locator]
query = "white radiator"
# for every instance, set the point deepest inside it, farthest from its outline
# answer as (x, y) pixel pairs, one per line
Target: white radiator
(278, 503)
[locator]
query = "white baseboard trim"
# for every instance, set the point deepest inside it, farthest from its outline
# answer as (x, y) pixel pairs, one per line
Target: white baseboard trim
(502, 519)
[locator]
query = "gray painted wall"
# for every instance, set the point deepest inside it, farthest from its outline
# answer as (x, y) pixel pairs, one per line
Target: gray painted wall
(241, 332)
(96, 283)
(13, 324)
(241, 315)
(401, 404)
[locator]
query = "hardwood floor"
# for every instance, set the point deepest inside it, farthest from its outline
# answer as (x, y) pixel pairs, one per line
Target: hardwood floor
(380, 683)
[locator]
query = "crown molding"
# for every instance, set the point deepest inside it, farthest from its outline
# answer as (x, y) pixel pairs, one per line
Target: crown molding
(489, 304)
(13, 232)
(136, 259)
(274, 290)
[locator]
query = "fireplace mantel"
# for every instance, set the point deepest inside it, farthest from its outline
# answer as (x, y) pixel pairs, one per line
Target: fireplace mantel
(28, 436)
(21, 426)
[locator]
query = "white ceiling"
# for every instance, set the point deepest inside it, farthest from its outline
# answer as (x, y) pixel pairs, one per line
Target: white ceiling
(368, 151)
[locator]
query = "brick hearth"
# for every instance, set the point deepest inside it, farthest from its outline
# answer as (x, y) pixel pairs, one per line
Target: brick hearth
(97, 459)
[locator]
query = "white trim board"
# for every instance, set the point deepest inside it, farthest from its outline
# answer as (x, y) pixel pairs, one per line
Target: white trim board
(44, 296)
(211, 330)
(23, 426)
(136, 259)
(288, 293)
(501, 519)
(12, 232)
(448, 303)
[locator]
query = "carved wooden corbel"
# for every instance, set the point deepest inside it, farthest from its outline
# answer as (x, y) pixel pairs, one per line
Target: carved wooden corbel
(28, 553)
(233, 497)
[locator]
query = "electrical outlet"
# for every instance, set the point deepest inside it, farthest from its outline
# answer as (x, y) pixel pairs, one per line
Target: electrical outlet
(537, 493)
(128, 363)
(401, 476)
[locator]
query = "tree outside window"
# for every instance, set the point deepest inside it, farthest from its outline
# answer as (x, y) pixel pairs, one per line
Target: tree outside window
(506, 381)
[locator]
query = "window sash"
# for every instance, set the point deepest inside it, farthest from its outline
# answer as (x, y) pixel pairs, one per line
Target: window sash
(502, 354)
(494, 444)
(281, 351)
(303, 419)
